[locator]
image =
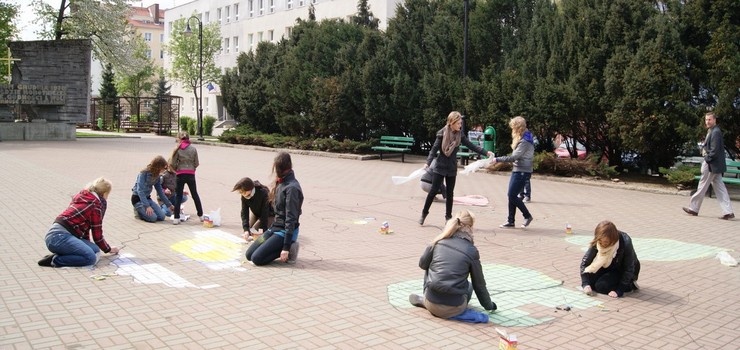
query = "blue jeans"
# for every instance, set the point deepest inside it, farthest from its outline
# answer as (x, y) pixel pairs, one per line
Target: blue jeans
(166, 210)
(527, 191)
(516, 185)
(70, 250)
(158, 214)
(268, 247)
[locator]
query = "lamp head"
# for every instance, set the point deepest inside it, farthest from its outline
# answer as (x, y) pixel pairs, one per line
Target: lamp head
(188, 31)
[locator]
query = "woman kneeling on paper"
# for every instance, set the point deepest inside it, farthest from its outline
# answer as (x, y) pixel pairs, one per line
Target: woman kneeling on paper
(610, 265)
(448, 262)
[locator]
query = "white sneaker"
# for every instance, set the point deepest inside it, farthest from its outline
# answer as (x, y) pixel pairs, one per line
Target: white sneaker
(175, 221)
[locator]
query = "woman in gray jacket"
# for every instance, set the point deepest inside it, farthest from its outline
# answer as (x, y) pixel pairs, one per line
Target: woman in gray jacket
(522, 143)
(444, 150)
(448, 262)
(184, 161)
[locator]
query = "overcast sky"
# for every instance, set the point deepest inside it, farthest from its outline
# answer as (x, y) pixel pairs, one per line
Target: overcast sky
(26, 18)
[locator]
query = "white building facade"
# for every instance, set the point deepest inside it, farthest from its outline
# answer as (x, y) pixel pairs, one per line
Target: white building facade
(245, 23)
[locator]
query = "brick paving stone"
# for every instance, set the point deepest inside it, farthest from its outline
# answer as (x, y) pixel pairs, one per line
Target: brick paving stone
(337, 296)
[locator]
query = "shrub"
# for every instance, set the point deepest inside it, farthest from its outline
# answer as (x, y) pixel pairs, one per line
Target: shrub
(184, 120)
(682, 175)
(192, 126)
(208, 123)
(245, 135)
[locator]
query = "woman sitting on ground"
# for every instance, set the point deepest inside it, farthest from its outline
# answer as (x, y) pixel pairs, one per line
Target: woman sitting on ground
(145, 207)
(448, 262)
(610, 265)
(257, 212)
(69, 238)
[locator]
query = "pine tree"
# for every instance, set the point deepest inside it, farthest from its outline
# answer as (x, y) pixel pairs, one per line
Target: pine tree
(108, 96)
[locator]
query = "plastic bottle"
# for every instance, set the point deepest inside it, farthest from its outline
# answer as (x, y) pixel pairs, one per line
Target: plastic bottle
(568, 229)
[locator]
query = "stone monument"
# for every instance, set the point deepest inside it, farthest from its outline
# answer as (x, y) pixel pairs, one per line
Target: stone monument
(49, 91)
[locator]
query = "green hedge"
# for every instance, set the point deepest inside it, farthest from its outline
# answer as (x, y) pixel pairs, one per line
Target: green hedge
(245, 136)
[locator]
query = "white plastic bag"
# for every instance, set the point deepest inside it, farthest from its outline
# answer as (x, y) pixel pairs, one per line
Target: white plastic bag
(726, 259)
(397, 180)
(472, 167)
(215, 217)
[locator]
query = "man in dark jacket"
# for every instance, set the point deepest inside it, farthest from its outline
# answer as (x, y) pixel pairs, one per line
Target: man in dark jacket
(711, 171)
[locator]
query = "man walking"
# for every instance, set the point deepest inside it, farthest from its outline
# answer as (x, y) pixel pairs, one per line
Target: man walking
(711, 171)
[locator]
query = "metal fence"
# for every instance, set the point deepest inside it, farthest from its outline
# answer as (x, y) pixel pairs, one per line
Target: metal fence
(161, 114)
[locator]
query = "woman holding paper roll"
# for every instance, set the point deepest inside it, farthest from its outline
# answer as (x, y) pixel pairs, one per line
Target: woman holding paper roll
(522, 143)
(444, 150)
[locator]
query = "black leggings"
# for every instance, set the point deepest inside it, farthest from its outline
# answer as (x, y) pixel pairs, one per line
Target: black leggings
(189, 179)
(605, 280)
(436, 183)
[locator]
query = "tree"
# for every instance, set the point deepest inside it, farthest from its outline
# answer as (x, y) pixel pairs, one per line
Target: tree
(8, 13)
(364, 16)
(133, 86)
(105, 23)
(109, 94)
(184, 49)
(161, 109)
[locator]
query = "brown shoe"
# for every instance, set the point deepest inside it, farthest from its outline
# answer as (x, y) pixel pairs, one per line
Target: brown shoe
(727, 216)
(689, 211)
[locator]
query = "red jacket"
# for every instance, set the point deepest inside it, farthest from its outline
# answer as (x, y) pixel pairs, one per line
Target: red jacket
(84, 217)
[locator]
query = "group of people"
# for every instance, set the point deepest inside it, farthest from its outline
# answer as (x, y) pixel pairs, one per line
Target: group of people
(76, 237)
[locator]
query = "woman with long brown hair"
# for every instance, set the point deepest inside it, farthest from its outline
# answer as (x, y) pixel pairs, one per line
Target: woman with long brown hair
(145, 208)
(610, 265)
(444, 150)
(280, 241)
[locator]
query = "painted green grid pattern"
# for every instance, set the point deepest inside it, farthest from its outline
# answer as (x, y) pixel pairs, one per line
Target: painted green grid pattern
(659, 249)
(511, 288)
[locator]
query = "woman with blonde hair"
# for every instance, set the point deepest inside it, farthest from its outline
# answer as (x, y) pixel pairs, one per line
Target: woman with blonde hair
(522, 144)
(146, 208)
(184, 161)
(447, 143)
(76, 236)
(610, 265)
(448, 261)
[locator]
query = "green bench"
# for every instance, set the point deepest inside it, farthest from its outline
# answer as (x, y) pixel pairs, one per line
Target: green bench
(731, 175)
(465, 154)
(399, 144)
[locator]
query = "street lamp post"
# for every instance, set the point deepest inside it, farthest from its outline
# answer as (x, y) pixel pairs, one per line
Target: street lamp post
(465, 54)
(200, 71)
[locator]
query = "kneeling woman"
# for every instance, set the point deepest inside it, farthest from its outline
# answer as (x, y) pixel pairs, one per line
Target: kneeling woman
(69, 237)
(145, 207)
(280, 240)
(448, 262)
(610, 265)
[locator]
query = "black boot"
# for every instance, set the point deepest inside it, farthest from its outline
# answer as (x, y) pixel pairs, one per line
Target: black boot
(422, 218)
(46, 261)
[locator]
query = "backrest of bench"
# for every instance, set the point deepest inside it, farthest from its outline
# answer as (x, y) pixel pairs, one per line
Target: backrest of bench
(397, 140)
(731, 163)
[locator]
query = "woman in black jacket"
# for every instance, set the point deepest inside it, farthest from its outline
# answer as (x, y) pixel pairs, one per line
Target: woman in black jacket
(280, 240)
(610, 265)
(447, 144)
(257, 212)
(448, 262)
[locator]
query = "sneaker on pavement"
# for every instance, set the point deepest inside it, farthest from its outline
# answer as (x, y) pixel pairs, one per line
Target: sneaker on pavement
(293, 252)
(46, 261)
(526, 200)
(175, 221)
(527, 221)
(507, 225)
(416, 300)
(136, 214)
(689, 211)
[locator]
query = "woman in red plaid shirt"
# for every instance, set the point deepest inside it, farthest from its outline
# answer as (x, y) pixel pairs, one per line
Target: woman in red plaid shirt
(76, 237)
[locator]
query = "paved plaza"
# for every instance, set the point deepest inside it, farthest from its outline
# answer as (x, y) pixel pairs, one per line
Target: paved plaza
(189, 287)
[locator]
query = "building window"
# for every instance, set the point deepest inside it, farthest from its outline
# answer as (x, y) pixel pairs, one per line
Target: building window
(228, 13)
(251, 42)
(259, 36)
(288, 31)
(161, 54)
(206, 17)
(205, 104)
(147, 37)
(148, 53)
(289, 4)
(218, 15)
(169, 25)
(161, 38)
(271, 35)
(261, 8)
(236, 12)
(301, 3)
(235, 40)
(192, 104)
(226, 44)
(272, 6)
(250, 5)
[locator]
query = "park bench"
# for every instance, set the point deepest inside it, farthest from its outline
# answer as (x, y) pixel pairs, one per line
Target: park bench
(465, 154)
(730, 177)
(131, 126)
(399, 144)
